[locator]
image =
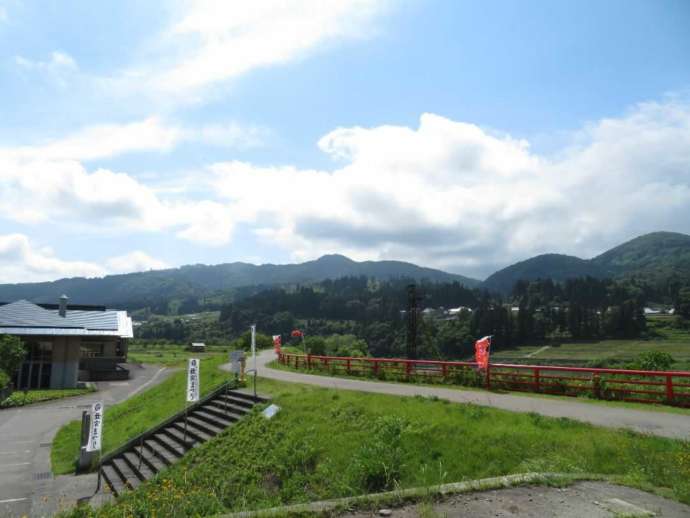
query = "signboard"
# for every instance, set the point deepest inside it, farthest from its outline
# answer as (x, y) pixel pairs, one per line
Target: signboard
(253, 328)
(95, 427)
(236, 358)
(193, 380)
(270, 411)
(481, 352)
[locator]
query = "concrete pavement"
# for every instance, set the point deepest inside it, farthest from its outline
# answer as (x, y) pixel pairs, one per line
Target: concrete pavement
(664, 424)
(27, 486)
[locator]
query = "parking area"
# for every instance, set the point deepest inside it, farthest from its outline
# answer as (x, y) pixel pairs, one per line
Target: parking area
(27, 487)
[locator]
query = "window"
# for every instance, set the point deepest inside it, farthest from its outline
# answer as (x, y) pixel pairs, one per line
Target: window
(92, 349)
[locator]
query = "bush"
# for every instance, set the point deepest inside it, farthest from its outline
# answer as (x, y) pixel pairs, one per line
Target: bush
(12, 354)
(4, 380)
(653, 361)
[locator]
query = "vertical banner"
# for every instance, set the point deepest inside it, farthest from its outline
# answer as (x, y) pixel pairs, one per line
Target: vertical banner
(95, 427)
(253, 328)
(193, 380)
(276, 343)
(481, 352)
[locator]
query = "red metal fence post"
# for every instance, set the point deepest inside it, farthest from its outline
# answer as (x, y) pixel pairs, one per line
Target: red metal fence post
(537, 384)
(669, 388)
(309, 361)
(348, 365)
(488, 376)
(444, 370)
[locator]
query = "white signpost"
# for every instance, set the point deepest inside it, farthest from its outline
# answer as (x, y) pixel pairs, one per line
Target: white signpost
(193, 380)
(253, 328)
(95, 427)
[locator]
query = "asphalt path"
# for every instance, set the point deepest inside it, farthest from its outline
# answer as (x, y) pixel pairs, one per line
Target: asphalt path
(664, 424)
(27, 487)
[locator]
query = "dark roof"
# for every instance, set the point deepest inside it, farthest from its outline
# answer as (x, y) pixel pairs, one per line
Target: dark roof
(27, 314)
(24, 317)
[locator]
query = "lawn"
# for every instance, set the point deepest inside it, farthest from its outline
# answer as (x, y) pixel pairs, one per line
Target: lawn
(21, 398)
(136, 415)
(672, 341)
(170, 355)
(327, 444)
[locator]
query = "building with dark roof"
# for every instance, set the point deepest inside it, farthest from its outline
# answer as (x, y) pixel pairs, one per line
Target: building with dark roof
(66, 344)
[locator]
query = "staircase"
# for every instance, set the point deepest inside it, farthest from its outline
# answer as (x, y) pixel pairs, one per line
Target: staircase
(153, 451)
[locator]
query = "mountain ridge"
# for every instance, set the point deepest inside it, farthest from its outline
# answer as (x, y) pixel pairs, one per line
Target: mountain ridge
(654, 256)
(142, 289)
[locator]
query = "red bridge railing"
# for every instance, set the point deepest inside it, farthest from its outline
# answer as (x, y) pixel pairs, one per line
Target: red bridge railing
(667, 387)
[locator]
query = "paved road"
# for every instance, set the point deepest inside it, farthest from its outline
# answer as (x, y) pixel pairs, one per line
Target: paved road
(26, 484)
(657, 423)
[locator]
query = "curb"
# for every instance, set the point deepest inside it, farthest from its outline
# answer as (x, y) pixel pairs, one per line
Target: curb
(329, 507)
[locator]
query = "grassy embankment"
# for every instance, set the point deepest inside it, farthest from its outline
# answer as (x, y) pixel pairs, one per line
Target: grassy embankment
(326, 444)
(136, 415)
(21, 398)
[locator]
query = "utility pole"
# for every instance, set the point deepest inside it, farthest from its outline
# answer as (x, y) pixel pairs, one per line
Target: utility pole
(412, 315)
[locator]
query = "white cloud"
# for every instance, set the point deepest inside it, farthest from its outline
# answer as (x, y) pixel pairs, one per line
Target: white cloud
(58, 61)
(453, 195)
(211, 41)
(21, 262)
(3, 15)
(136, 261)
(48, 181)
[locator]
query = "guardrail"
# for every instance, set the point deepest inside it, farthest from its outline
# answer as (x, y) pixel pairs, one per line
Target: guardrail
(660, 387)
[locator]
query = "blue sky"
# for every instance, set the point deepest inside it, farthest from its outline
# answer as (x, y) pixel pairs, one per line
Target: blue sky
(458, 135)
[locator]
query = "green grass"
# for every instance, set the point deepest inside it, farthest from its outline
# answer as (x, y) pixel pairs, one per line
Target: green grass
(134, 416)
(170, 355)
(582, 399)
(327, 444)
(21, 398)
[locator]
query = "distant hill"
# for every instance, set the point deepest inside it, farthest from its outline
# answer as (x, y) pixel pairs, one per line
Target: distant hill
(653, 257)
(142, 289)
(554, 266)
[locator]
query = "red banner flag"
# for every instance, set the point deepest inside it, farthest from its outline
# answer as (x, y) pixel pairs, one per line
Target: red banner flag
(276, 343)
(481, 352)
(296, 333)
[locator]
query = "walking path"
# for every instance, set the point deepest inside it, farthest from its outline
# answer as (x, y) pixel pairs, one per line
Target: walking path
(663, 424)
(27, 487)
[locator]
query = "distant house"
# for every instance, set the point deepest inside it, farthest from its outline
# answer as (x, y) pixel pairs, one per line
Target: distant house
(197, 347)
(67, 343)
(458, 310)
(652, 311)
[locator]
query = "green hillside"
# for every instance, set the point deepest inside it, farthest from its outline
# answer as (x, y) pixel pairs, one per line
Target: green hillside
(655, 257)
(155, 288)
(555, 266)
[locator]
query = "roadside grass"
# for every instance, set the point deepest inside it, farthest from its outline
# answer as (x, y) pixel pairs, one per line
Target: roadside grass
(170, 355)
(327, 444)
(22, 398)
(275, 364)
(134, 416)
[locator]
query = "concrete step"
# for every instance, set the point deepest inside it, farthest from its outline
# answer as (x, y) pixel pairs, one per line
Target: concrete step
(219, 413)
(130, 479)
(192, 430)
(112, 479)
(167, 445)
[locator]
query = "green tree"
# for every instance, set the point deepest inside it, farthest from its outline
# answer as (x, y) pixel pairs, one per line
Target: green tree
(12, 354)
(683, 303)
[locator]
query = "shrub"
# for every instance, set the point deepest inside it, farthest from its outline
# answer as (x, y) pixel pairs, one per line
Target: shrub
(654, 361)
(12, 354)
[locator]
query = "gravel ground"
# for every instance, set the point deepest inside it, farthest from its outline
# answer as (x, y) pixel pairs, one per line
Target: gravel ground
(581, 500)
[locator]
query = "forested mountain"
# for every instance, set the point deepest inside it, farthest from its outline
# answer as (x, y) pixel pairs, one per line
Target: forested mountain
(660, 258)
(195, 286)
(548, 266)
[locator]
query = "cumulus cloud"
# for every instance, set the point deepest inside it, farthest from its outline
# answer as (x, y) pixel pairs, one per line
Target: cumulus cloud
(60, 187)
(21, 262)
(208, 42)
(136, 261)
(453, 195)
